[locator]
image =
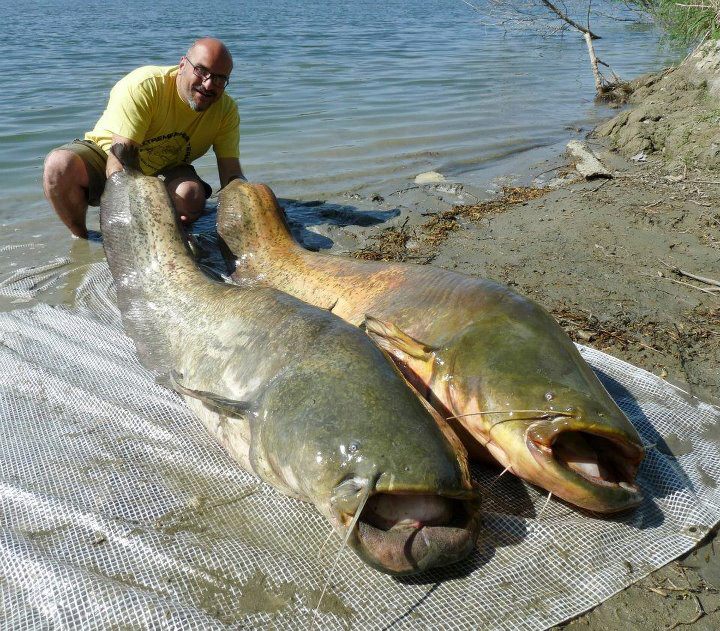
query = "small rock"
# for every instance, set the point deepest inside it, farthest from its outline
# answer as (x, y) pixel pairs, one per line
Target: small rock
(429, 177)
(639, 157)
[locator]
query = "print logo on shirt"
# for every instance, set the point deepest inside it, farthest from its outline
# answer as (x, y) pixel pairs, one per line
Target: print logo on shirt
(166, 150)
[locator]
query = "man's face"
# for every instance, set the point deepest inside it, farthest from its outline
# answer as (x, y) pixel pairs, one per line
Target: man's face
(197, 92)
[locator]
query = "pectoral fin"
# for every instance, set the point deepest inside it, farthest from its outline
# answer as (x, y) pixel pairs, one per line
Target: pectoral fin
(395, 341)
(214, 402)
(415, 360)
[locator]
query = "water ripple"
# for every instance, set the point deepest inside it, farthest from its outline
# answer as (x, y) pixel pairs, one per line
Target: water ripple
(333, 95)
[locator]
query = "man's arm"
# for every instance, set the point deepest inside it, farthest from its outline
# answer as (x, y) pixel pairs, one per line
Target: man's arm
(229, 169)
(113, 164)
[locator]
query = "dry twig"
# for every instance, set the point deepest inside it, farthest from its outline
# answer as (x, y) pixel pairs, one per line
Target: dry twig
(702, 289)
(702, 279)
(681, 272)
(700, 614)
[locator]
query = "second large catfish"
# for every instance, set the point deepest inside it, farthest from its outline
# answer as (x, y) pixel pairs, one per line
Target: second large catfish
(492, 360)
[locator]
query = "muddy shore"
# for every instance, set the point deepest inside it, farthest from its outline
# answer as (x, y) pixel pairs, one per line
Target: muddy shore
(629, 265)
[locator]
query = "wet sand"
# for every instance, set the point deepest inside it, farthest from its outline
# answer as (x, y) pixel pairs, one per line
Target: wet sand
(601, 257)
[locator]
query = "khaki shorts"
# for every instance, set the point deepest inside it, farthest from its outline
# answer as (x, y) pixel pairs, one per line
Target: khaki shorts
(95, 160)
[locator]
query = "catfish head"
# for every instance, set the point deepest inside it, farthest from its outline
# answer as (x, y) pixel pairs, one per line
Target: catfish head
(518, 388)
(381, 464)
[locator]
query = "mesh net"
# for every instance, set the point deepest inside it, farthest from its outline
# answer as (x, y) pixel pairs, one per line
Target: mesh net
(117, 509)
(26, 283)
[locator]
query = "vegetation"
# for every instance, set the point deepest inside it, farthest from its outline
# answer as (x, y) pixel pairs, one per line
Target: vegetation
(689, 21)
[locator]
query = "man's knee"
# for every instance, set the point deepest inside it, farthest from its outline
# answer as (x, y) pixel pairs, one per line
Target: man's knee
(188, 197)
(189, 190)
(63, 167)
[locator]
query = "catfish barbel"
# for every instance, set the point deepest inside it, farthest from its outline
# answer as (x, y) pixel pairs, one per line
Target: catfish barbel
(495, 362)
(295, 394)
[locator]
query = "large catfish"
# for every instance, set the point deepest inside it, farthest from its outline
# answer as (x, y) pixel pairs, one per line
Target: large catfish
(495, 362)
(298, 396)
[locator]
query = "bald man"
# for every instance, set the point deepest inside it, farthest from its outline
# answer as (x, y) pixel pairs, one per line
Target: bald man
(174, 114)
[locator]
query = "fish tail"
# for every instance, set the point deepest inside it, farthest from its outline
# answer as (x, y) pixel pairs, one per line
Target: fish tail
(249, 219)
(147, 257)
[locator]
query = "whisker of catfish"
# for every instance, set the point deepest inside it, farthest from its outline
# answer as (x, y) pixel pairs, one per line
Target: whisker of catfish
(541, 414)
(547, 501)
(350, 529)
(502, 473)
(327, 539)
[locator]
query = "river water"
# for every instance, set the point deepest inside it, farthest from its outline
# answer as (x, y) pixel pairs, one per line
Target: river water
(337, 99)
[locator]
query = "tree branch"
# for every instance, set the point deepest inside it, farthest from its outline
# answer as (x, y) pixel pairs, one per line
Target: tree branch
(569, 20)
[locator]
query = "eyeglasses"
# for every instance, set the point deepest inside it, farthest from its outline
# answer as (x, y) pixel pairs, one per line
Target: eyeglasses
(218, 80)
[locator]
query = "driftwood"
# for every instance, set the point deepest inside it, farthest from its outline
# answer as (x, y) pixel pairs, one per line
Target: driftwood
(587, 163)
(681, 272)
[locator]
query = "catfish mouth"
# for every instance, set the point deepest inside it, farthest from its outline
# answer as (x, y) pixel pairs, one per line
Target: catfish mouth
(601, 463)
(404, 534)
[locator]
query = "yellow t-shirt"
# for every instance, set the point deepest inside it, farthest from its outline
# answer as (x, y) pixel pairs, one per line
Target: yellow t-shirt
(145, 107)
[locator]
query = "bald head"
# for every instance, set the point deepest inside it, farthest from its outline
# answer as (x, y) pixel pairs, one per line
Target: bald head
(203, 73)
(213, 49)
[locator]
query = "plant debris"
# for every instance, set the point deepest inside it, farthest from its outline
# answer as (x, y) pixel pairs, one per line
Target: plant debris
(700, 326)
(419, 244)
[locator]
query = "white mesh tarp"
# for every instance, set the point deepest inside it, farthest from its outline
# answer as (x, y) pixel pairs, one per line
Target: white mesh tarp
(118, 510)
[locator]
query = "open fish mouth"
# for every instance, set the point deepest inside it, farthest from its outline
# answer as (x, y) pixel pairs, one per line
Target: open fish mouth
(590, 462)
(408, 533)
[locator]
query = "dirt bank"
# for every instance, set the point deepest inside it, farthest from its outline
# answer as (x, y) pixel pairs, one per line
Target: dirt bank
(614, 260)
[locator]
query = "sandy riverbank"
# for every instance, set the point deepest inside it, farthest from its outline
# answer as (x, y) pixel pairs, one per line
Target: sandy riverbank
(612, 259)
(599, 255)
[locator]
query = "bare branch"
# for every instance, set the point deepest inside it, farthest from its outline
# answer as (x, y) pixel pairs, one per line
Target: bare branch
(549, 17)
(569, 20)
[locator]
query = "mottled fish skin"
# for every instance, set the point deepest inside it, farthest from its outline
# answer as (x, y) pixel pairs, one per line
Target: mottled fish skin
(495, 361)
(295, 394)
